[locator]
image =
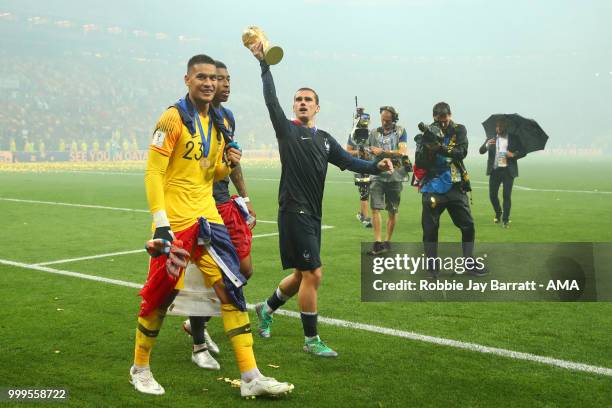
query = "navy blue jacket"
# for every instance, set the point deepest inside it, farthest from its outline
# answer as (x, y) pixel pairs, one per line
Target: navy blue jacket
(304, 154)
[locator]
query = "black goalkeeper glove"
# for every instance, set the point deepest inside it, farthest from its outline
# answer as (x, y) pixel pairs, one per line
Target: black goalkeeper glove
(163, 233)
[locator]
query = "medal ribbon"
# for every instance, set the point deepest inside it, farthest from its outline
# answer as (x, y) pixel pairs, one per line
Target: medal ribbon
(205, 141)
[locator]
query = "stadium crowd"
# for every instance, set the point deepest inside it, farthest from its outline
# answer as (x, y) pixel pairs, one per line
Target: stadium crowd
(62, 104)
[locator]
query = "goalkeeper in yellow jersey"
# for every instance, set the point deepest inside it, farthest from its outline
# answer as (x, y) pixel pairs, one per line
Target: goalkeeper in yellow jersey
(187, 154)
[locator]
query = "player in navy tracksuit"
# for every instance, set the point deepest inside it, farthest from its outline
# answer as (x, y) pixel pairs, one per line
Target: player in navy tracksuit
(305, 152)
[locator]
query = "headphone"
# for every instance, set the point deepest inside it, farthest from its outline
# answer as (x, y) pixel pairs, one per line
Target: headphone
(392, 110)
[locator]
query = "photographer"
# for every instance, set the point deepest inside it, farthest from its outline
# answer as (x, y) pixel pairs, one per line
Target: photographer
(441, 149)
(357, 147)
(387, 141)
(504, 150)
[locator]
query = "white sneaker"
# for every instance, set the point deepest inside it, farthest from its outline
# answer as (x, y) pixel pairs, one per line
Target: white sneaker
(144, 382)
(264, 386)
(203, 359)
(187, 326)
(210, 343)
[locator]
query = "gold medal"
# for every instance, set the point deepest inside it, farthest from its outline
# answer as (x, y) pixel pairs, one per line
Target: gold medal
(205, 145)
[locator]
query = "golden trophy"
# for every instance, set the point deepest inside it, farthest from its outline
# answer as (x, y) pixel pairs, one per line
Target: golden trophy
(253, 35)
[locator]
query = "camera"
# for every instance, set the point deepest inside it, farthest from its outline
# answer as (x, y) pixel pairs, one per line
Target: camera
(360, 133)
(428, 143)
(432, 134)
(404, 163)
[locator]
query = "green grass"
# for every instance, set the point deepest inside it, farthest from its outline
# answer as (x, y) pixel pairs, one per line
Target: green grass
(95, 330)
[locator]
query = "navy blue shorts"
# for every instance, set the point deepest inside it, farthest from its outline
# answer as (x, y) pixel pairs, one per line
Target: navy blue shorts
(299, 240)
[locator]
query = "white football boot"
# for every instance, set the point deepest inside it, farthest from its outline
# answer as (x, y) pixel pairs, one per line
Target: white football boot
(143, 381)
(203, 359)
(210, 343)
(264, 386)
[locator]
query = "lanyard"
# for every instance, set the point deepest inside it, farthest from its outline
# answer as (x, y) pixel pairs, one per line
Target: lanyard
(205, 141)
(498, 144)
(388, 141)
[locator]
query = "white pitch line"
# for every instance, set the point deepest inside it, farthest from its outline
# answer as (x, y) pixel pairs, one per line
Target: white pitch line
(554, 190)
(70, 273)
(98, 207)
(85, 258)
(543, 190)
(518, 187)
(540, 190)
(272, 234)
(550, 190)
(99, 172)
(134, 251)
(517, 355)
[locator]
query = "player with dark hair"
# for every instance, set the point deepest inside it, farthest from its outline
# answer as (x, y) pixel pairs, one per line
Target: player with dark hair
(183, 162)
(239, 218)
(305, 152)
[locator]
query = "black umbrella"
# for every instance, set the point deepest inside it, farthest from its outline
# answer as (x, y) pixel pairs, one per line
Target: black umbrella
(531, 134)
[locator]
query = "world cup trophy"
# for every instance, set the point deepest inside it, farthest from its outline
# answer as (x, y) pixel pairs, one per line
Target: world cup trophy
(253, 35)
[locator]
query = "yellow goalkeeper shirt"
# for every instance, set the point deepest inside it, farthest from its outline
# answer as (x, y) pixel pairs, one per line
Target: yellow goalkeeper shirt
(179, 176)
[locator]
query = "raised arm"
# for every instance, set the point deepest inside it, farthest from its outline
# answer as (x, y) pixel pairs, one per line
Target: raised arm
(279, 120)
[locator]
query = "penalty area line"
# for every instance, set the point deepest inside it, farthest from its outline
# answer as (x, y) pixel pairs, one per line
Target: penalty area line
(440, 341)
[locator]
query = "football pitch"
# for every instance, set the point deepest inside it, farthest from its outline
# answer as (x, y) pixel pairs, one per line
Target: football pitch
(71, 261)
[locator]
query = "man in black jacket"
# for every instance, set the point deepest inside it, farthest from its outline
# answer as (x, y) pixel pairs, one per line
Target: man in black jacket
(445, 184)
(504, 150)
(305, 152)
